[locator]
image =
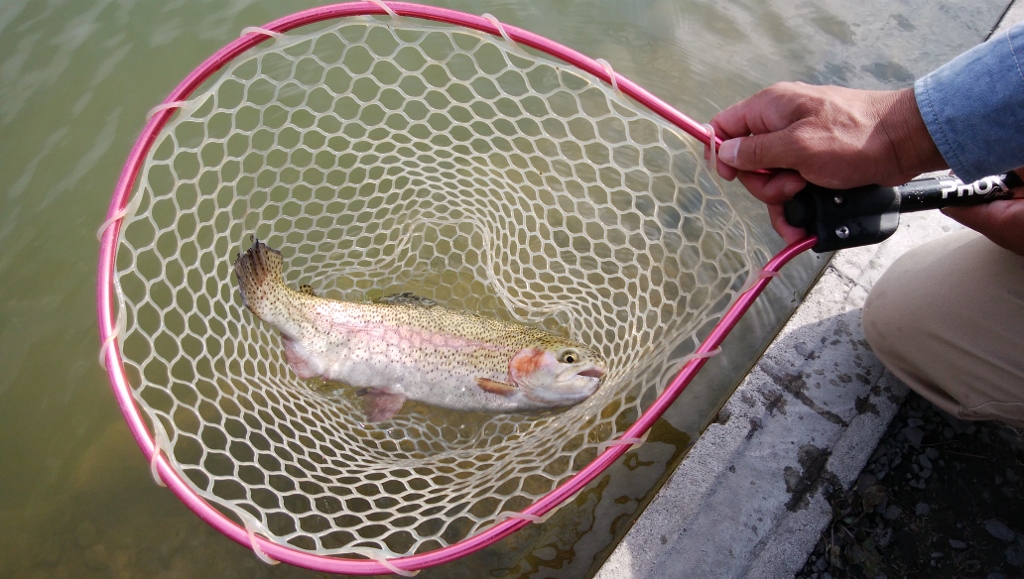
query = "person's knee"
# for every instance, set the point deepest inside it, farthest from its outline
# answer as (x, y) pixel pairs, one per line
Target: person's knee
(883, 317)
(873, 321)
(945, 318)
(906, 309)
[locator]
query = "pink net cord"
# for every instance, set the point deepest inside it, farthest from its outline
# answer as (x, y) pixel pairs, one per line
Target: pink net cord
(109, 316)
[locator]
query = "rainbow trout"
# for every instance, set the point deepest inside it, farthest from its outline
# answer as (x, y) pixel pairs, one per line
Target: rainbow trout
(403, 347)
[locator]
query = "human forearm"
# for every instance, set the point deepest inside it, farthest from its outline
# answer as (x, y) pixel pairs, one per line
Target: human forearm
(974, 107)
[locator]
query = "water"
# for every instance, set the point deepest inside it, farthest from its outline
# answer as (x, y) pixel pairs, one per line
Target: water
(76, 79)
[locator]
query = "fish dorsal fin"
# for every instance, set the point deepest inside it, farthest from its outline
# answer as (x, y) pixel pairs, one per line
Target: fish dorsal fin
(307, 289)
(407, 299)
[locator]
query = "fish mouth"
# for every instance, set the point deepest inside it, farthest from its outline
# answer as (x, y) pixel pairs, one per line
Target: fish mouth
(569, 387)
(588, 374)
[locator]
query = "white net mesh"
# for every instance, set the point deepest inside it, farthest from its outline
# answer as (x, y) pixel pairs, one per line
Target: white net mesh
(384, 156)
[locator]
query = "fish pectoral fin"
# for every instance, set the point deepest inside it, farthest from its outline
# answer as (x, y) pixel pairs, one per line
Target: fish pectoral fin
(495, 387)
(380, 406)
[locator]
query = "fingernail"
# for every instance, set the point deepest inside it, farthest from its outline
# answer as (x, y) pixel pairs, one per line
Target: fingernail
(728, 150)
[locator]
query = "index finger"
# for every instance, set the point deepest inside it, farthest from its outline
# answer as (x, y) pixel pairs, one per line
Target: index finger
(733, 121)
(765, 111)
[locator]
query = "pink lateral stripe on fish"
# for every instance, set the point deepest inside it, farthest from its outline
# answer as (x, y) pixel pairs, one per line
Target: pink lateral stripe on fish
(403, 347)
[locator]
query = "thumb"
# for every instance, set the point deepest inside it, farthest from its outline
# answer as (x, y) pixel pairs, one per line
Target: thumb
(753, 152)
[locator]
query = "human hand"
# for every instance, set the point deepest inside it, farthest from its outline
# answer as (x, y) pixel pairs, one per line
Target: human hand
(832, 136)
(1001, 221)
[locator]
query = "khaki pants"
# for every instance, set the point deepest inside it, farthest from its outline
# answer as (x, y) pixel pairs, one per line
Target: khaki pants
(947, 319)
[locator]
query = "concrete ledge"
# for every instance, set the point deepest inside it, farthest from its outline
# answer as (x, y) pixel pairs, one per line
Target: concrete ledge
(747, 501)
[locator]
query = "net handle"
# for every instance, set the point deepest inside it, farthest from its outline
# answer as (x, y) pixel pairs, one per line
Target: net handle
(107, 310)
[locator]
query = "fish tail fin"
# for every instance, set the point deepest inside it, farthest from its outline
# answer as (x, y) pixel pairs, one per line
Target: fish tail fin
(260, 273)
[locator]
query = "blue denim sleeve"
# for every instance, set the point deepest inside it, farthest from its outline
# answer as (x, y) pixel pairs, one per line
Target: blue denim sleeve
(973, 107)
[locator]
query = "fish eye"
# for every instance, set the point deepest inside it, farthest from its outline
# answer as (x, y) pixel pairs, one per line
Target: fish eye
(568, 357)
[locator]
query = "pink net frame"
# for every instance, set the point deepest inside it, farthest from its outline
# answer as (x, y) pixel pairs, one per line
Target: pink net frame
(108, 319)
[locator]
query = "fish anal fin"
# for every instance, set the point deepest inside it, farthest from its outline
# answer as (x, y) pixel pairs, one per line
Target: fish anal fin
(380, 406)
(296, 360)
(495, 387)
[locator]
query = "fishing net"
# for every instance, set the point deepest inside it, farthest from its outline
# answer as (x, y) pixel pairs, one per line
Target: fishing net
(387, 154)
